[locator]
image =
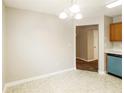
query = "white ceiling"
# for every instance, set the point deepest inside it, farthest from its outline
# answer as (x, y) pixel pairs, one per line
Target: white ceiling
(88, 7)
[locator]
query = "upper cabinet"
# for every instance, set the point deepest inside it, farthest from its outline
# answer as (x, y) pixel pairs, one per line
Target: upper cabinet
(116, 31)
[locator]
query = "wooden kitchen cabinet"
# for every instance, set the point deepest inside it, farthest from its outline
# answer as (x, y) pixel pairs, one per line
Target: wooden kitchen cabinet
(116, 32)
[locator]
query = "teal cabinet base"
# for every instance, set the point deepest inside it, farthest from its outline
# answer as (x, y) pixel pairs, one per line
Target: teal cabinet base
(115, 65)
(115, 75)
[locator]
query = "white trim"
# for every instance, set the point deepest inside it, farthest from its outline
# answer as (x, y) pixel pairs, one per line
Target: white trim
(75, 68)
(102, 72)
(74, 28)
(4, 89)
(85, 59)
(14, 83)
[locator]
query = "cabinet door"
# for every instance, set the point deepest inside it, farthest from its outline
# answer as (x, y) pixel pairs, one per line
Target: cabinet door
(115, 65)
(116, 32)
(112, 32)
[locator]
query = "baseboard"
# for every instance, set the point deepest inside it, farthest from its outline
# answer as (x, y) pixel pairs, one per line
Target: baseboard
(14, 83)
(75, 68)
(85, 59)
(102, 72)
(4, 89)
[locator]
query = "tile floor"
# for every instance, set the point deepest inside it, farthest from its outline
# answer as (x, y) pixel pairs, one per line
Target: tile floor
(77, 81)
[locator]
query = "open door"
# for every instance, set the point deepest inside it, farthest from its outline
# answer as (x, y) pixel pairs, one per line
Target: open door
(87, 47)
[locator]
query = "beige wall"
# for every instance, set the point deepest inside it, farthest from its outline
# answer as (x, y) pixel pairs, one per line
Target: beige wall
(96, 42)
(37, 44)
(107, 22)
(3, 45)
(81, 43)
(90, 44)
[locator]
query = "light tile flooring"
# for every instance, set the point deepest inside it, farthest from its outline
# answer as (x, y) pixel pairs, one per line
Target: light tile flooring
(77, 81)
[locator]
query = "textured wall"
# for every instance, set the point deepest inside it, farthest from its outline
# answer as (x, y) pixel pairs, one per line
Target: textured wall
(3, 45)
(37, 44)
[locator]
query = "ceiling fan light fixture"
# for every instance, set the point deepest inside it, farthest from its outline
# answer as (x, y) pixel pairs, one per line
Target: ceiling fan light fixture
(72, 12)
(78, 16)
(74, 8)
(63, 15)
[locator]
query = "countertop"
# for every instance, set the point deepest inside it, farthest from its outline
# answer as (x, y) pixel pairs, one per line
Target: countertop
(113, 51)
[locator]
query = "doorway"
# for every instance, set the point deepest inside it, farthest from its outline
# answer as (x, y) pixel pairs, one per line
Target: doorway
(87, 47)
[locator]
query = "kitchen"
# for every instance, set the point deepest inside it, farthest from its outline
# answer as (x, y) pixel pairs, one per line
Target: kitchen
(113, 47)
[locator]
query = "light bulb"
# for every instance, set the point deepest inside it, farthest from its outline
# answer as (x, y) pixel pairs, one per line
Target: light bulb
(78, 16)
(63, 15)
(74, 8)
